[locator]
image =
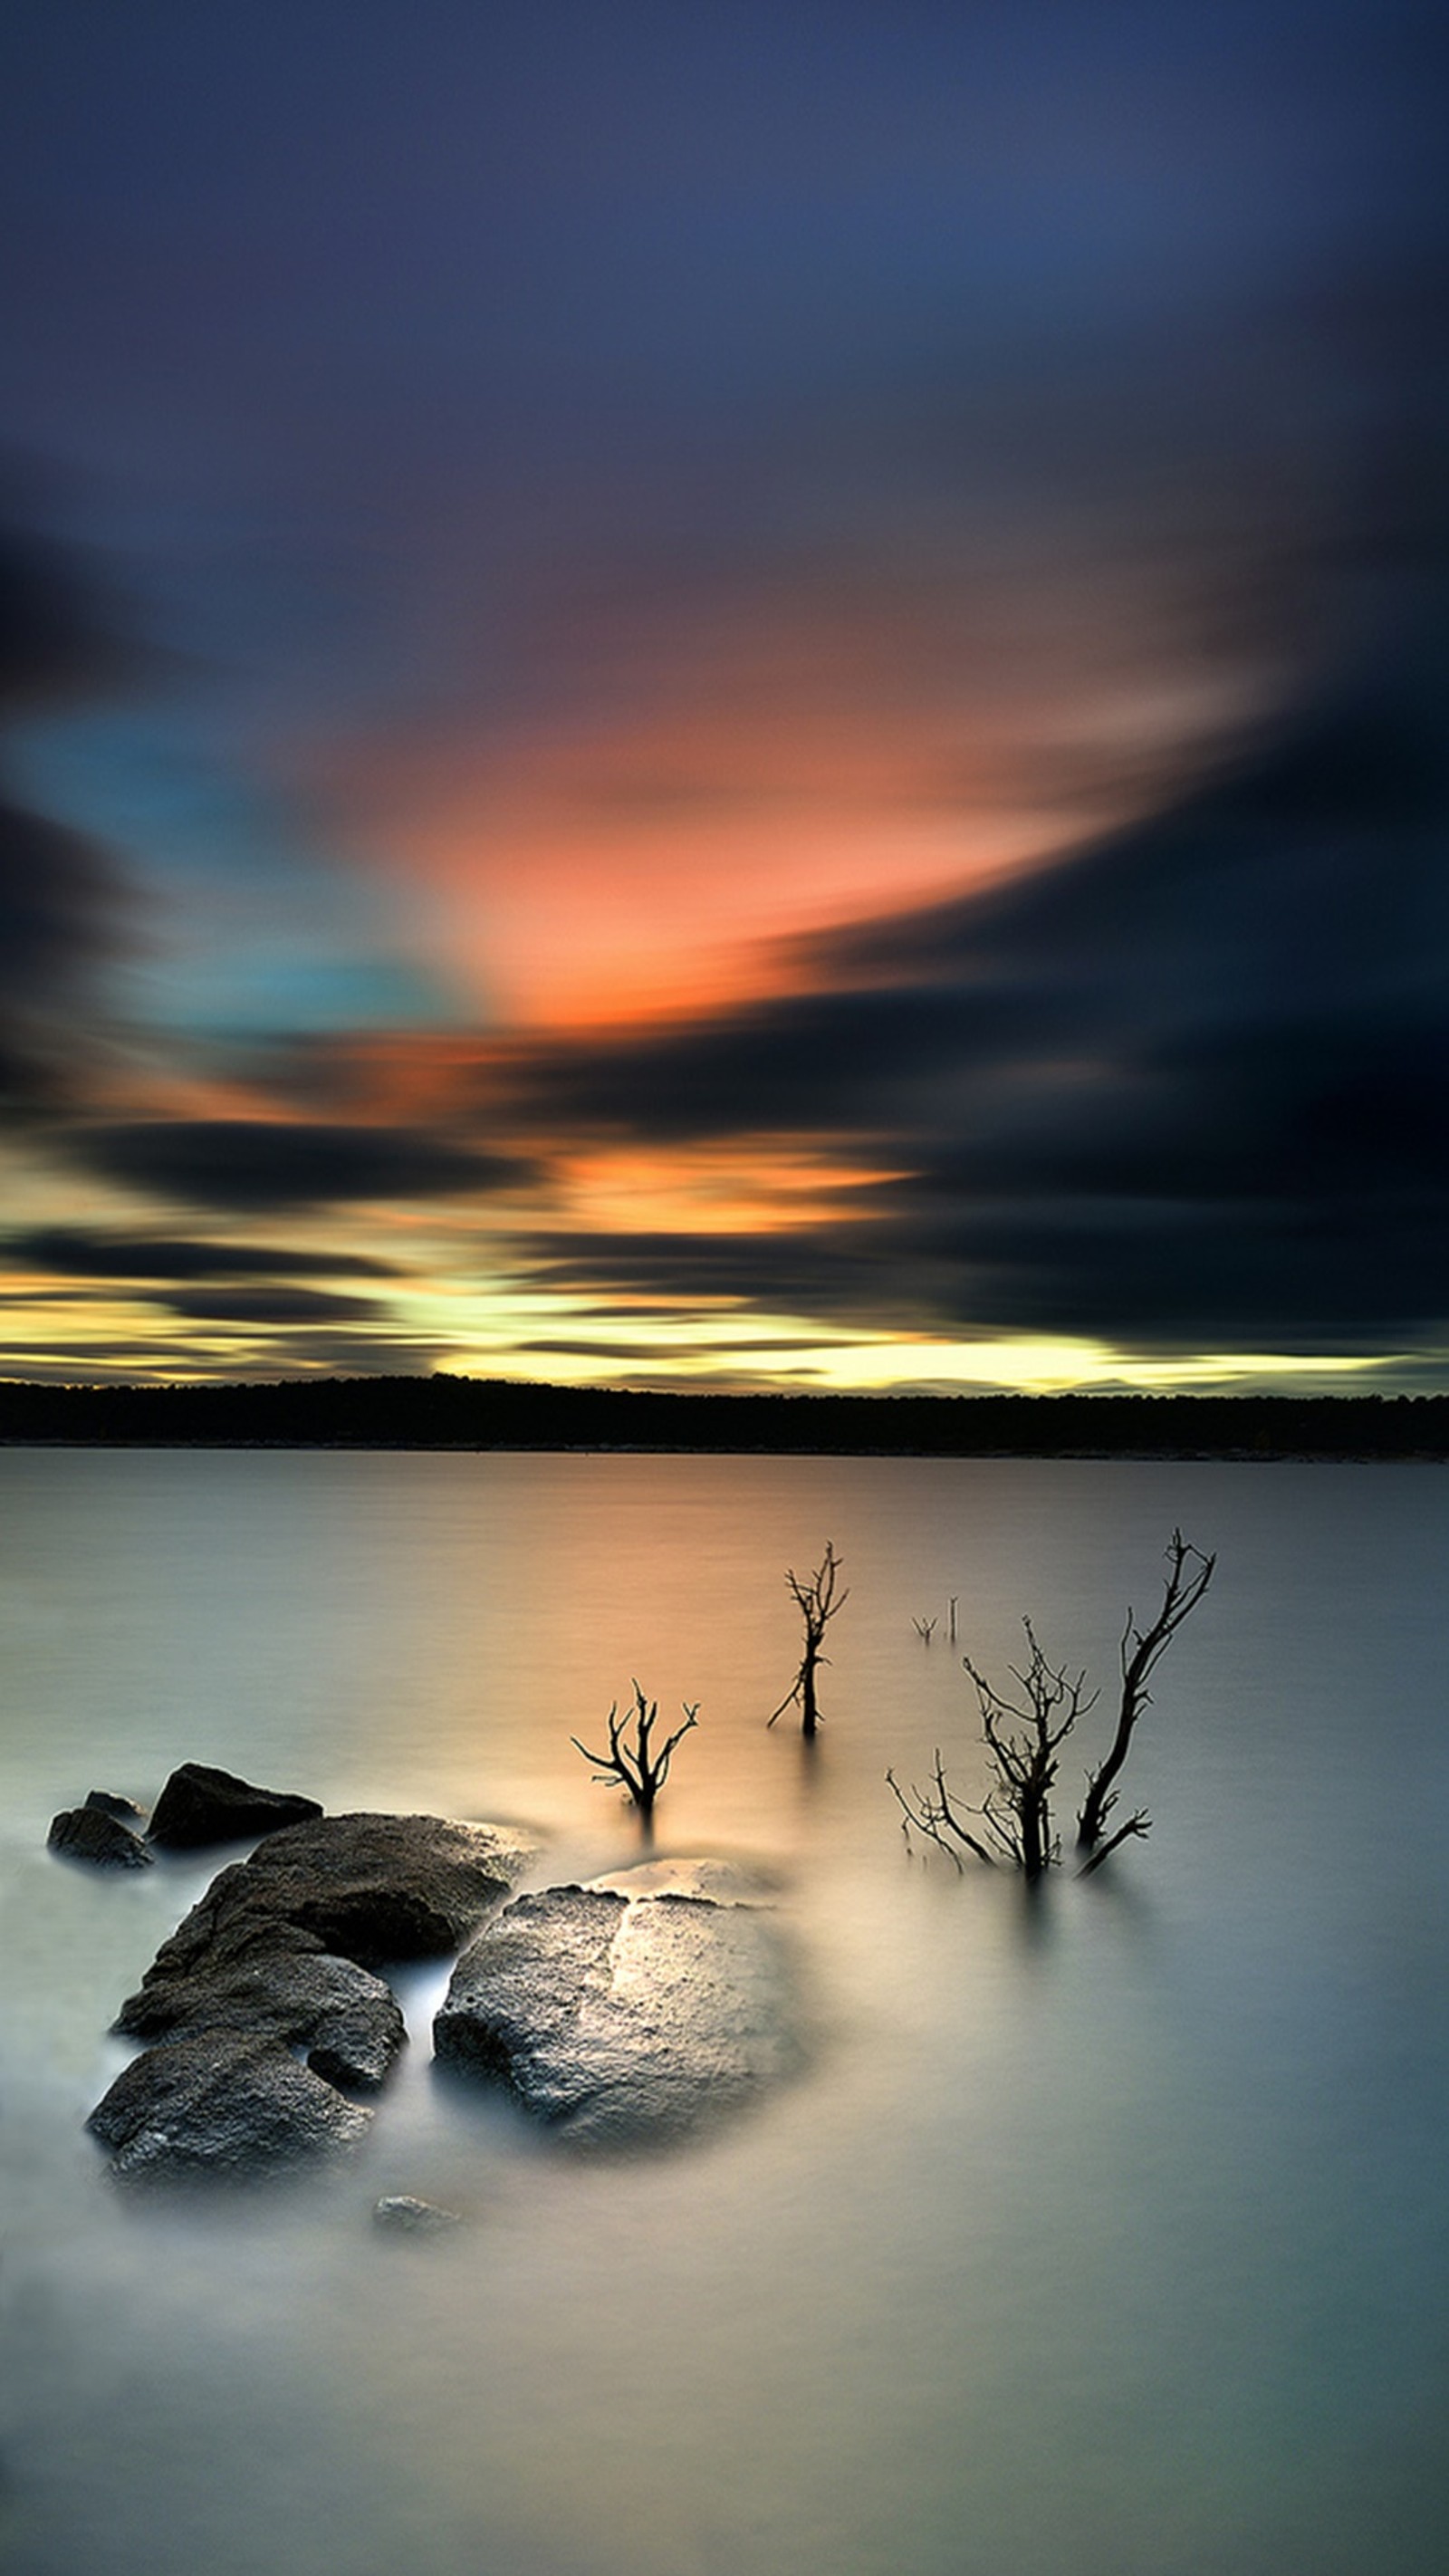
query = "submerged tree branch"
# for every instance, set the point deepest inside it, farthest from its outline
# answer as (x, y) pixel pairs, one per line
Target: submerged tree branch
(1024, 1731)
(817, 1602)
(631, 1758)
(1189, 1573)
(930, 1813)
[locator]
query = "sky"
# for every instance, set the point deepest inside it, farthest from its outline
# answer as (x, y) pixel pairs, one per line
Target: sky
(737, 695)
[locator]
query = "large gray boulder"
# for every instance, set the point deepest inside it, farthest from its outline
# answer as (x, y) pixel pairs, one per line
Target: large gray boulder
(220, 2104)
(285, 1944)
(620, 2019)
(88, 1833)
(200, 1805)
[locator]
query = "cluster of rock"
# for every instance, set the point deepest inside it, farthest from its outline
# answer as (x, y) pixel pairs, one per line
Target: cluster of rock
(265, 2001)
(197, 1807)
(630, 2010)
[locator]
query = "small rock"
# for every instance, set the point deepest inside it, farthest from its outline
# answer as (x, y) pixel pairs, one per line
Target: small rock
(90, 1833)
(221, 2104)
(402, 2215)
(110, 1805)
(200, 1805)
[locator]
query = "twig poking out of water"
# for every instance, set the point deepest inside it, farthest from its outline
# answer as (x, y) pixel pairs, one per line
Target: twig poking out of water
(631, 1758)
(925, 1629)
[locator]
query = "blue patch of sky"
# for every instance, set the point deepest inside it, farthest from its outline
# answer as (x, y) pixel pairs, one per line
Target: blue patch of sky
(251, 927)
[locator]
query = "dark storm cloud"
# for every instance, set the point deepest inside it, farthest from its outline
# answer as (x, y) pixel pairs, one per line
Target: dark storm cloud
(255, 1164)
(78, 1253)
(1187, 1087)
(63, 903)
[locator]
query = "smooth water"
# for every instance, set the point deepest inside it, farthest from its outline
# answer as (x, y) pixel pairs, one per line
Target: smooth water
(1107, 2232)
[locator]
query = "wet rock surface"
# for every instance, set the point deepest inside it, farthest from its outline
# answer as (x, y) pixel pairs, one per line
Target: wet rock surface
(221, 2105)
(92, 1833)
(200, 1805)
(620, 2019)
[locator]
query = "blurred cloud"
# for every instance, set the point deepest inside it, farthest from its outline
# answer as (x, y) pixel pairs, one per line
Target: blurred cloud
(76, 1252)
(1187, 1087)
(253, 1306)
(64, 907)
(257, 1164)
(795, 673)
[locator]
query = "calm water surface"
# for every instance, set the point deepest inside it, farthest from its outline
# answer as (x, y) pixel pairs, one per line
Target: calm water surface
(1108, 2233)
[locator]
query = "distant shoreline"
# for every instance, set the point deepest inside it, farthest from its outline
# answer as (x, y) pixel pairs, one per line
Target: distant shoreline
(481, 1414)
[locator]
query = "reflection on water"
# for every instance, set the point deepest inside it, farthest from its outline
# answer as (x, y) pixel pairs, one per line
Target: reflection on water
(1104, 2230)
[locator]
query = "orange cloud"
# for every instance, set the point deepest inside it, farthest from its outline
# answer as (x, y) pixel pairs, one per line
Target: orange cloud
(745, 773)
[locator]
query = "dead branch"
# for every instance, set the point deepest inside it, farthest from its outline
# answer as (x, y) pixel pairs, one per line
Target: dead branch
(931, 1814)
(1189, 1573)
(1024, 1729)
(817, 1601)
(1022, 1738)
(631, 1758)
(1138, 1823)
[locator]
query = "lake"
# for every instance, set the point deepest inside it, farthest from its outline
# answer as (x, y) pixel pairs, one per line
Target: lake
(1104, 2231)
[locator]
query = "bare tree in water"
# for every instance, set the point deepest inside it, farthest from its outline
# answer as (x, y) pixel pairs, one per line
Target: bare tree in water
(818, 1601)
(1189, 1573)
(632, 1759)
(1025, 1731)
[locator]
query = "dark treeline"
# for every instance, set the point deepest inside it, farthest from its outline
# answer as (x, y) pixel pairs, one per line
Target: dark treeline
(492, 1413)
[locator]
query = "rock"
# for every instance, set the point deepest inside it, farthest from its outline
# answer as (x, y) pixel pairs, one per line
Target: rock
(110, 1805)
(274, 1958)
(220, 2105)
(389, 1887)
(725, 1882)
(263, 1977)
(401, 2215)
(283, 1944)
(620, 2019)
(199, 1805)
(89, 1833)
